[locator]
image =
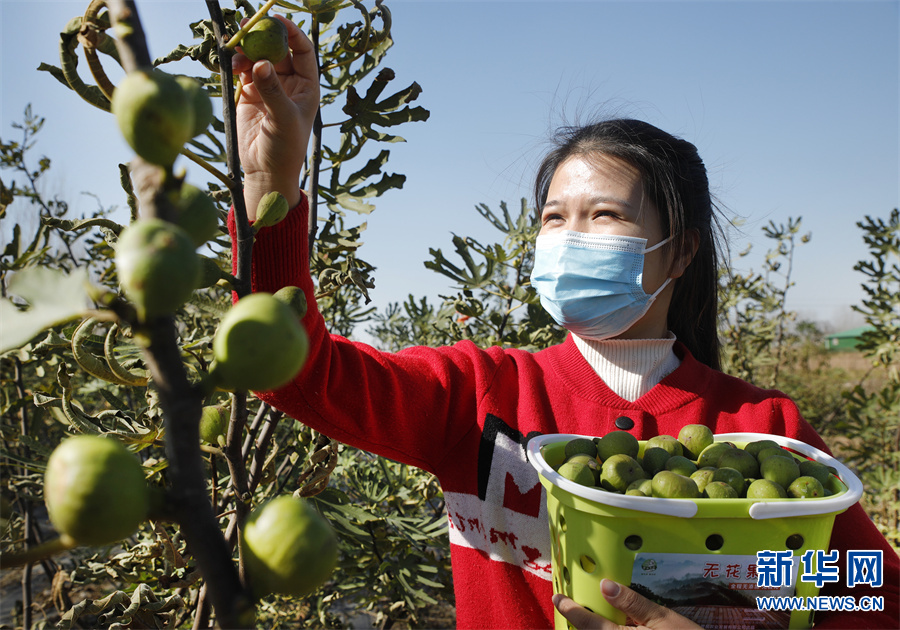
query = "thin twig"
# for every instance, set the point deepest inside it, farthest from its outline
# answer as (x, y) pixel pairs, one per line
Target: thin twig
(316, 156)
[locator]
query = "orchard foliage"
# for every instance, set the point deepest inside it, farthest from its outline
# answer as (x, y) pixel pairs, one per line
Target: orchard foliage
(80, 356)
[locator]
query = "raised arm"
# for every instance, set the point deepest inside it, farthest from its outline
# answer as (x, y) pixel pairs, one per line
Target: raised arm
(275, 116)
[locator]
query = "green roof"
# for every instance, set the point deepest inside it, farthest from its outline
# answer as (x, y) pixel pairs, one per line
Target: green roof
(853, 333)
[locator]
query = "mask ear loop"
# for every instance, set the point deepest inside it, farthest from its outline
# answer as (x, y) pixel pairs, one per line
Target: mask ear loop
(647, 250)
(669, 279)
(661, 287)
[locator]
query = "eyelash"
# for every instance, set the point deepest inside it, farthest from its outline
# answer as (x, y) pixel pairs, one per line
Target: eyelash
(558, 217)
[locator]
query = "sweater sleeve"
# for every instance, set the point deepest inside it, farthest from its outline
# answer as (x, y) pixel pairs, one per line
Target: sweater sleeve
(410, 406)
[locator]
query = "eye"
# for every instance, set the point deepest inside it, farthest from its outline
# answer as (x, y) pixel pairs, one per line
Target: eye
(600, 214)
(551, 217)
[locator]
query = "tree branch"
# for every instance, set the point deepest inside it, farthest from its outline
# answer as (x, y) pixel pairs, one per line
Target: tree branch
(181, 403)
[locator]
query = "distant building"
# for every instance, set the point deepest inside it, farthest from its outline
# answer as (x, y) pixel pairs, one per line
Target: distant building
(846, 340)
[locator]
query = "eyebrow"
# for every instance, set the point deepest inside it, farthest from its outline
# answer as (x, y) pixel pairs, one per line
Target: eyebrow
(593, 201)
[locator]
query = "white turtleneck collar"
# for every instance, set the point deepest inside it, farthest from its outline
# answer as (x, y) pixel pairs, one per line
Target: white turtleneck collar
(630, 367)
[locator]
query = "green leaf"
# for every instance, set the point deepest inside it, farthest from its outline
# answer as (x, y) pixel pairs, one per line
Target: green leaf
(54, 298)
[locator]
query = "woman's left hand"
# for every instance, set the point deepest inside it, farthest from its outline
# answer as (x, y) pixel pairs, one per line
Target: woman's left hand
(275, 116)
(647, 614)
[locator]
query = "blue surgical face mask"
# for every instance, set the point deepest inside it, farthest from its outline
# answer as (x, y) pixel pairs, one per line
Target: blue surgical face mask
(591, 283)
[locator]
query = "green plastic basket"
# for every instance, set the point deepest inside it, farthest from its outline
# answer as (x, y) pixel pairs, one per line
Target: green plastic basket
(646, 541)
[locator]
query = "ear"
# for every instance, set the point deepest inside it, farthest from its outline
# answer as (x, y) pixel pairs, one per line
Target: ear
(689, 246)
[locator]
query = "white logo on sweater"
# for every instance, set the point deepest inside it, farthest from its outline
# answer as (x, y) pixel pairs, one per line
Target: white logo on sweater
(510, 524)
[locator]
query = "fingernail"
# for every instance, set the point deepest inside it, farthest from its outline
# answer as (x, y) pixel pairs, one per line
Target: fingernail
(556, 599)
(264, 70)
(609, 588)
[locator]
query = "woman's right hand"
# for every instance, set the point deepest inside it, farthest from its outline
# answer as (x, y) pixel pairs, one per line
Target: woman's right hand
(275, 115)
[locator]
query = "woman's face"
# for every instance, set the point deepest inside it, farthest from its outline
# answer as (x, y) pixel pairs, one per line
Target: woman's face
(605, 195)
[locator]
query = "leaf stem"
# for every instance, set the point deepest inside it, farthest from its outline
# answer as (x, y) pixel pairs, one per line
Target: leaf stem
(209, 168)
(37, 553)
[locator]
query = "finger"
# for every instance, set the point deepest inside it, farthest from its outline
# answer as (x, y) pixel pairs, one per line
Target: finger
(270, 90)
(303, 57)
(241, 65)
(579, 617)
(642, 610)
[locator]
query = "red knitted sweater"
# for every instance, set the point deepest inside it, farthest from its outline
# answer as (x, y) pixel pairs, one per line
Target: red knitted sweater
(464, 414)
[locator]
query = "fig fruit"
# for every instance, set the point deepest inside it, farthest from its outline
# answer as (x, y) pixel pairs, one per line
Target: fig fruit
(210, 272)
(741, 461)
(810, 468)
(581, 446)
(259, 345)
(267, 39)
(654, 459)
(702, 477)
(214, 421)
(666, 442)
(197, 214)
(617, 443)
(620, 471)
(288, 547)
(200, 103)
(681, 465)
(155, 115)
(271, 210)
(669, 485)
(780, 470)
(694, 438)
(590, 462)
(158, 267)
(805, 487)
(293, 297)
(711, 454)
(765, 489)
(579, 472)
(732, 477)
(95, 490)
(755, 447)
(720, 490)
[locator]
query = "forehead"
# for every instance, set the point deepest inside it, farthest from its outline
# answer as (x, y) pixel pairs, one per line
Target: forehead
(596, 173)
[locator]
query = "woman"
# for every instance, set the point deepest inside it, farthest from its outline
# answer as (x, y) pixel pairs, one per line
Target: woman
(619, 196)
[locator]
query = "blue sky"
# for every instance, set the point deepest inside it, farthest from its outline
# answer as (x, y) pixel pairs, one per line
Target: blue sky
(795, 107)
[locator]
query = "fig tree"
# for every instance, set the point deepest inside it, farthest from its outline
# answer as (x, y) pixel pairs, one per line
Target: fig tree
(267, 39)
(288, 547)
(155, 115)
(95, 490)
(259, 345)
(158, 267)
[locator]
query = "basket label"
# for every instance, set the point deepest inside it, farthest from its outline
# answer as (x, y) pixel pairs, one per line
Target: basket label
(717, 592)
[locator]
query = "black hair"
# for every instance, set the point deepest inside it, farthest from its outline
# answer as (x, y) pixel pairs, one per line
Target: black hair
(674, 178)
